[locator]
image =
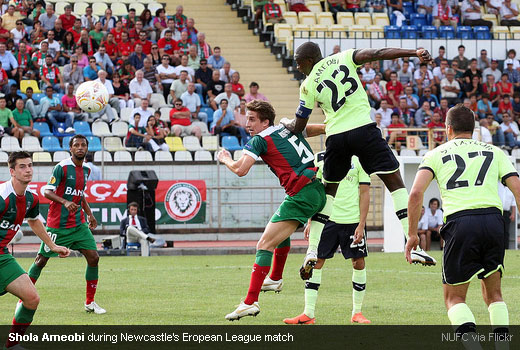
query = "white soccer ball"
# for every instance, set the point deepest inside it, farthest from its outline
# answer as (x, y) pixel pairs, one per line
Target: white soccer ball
(92, 96)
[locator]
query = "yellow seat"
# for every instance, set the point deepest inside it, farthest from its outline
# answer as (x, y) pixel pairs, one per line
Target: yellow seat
(492, 18)
(289, 45)
(175, 143)
(380, 19)
(42, 157)
(515, 32)
(363, 18)
(314, 6)
(291, 17)
(357, 31)
(301, 31)
(338, 31)
(320, 31)
(24, 84)
(282, 5)
(500, 32)
(376, 32)
(307, 18)
(282, 32)
(325, 18)
(345, 18)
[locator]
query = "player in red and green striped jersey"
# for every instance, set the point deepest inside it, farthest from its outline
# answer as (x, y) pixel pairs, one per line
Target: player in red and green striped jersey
(66, 221)
(17, 203)
(290, 158)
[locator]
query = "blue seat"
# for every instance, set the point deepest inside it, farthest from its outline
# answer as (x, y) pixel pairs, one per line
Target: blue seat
(245, 140)
(392, 32)
(65, 142)
(464, 32)
(408, 9)
(82, 128)
(409, 32)
(43, 128)
(418, 20)
(209, 111)
(429, 32)
(51, 144)
(94, 143)
(56, 133)
(132, 246)
(482, 33)
(446, 32)
(38, 97)
(231, 143)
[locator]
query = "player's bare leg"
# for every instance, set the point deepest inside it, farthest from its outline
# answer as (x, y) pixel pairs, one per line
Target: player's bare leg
(23, 288)
(274, 234)
(498, 313)
(91, 276)
(394, 183)
(460, 315)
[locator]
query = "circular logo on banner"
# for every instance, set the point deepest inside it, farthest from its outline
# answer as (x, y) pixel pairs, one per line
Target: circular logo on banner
(182, 201)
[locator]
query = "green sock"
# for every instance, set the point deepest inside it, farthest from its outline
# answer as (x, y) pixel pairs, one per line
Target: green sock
(311, 292)
(499, 317)
(400, 200)
(34, 271)
(263, 257)
(286, 243)
(359, 281)
(23, 314)
(463, 322)
(91, 273)
(317, 222)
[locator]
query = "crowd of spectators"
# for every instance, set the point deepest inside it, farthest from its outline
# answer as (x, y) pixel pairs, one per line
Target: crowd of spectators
(144, 60)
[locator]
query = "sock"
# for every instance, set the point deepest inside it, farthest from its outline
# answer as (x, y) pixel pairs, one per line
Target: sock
(317, 222)
(359, 281)
(499, 317)
(22, 319)
(34, 272)
(311, 292)
(400, 200)
(260, 270)
(280, 257)
(463, 321)
(91, 275)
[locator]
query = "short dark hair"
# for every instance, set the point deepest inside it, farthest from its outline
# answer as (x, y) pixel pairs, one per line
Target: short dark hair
(216, 48)
(461, 119)
(75, 137)
(133, 204)
(435, 200)
(461, 47)
(14, 156)
(253, 83)
(264, 110)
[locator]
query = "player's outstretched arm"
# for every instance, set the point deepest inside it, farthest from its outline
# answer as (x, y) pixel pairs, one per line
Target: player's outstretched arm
(389, 53)
(364, 203)
(70, 206)
(513, 183)
(241, 167)
(39, 230)
(92, 222)
(415, 201)
(315, 130)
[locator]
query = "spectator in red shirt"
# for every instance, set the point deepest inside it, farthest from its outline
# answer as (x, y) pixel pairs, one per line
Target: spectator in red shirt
(505, 87)
(76, 29)
(117, 31)
(135, 31)
(180, 119)
(183, 46)
(145, 43)
(125, 44)
(489, 87)
(111, 46)
(67, 19)
(4, 80)
(442, 109)
(167, 45)
(394, 89)
(273, 13)
(505, 106)
(297, 6)
(439, 136)
(4, 33)
(396, 138)
(237, 87)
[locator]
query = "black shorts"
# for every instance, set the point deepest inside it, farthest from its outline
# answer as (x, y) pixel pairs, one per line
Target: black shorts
(474, 245)
(341, 235)
(365, 142)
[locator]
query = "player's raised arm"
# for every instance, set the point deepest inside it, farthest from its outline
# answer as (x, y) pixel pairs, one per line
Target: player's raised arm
(39, 230)
(241, 167)
(389, 53)
(415, 201)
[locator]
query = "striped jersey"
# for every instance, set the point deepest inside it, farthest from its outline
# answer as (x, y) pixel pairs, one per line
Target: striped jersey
(69, 182)
(13, 209)
(288, 155)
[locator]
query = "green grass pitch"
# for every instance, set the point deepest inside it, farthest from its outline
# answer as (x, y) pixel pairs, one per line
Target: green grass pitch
(201, 290)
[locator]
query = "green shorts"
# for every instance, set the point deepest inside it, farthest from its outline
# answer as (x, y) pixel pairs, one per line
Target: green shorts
(75, 238)
(9, 271)
(302, 206)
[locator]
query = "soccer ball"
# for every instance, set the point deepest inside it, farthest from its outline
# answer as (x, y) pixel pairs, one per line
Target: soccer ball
(92, 96)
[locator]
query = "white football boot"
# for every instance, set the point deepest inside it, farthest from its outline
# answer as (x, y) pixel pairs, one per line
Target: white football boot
(244, 310)
(272, 286)
(95, 308)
